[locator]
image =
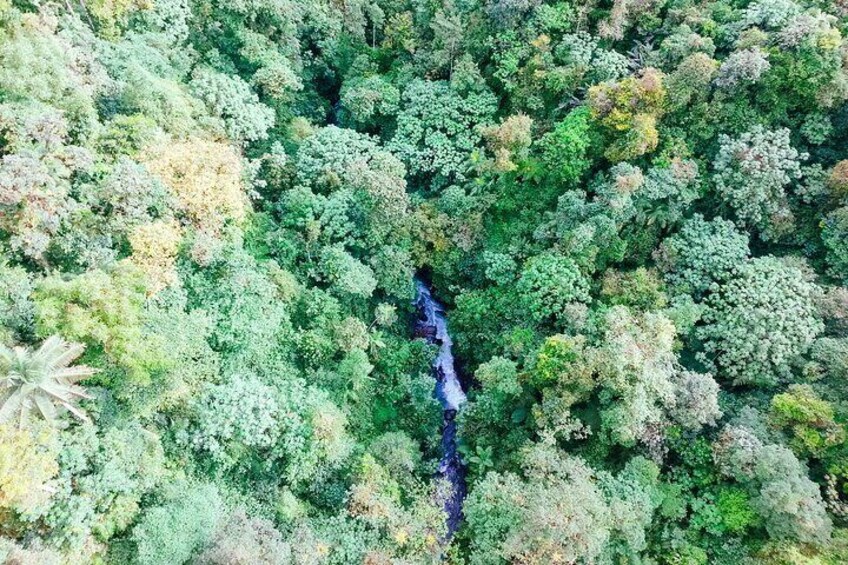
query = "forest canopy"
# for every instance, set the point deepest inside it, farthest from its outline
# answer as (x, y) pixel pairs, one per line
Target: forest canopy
(213, 214)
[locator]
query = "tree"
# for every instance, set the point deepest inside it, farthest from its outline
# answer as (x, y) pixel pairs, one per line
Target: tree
(588, 61)
(239, 414)
(637, 367)
(562, 511)
(205, 178)
(17, 312)
(104, 474)
(437, 130)
(277, 74)
(666, 194)
(249, 324)
(759, 320)
(550, 283)
(492, 421)
(690, 81)
(39, 381)
(155, 246)
(231, 99)
(346, 274)
(808, 418)
(244, 540)
(509, 141)
(565, 149)
(752, 173)
(561, 517)
(641, 289)
(129, 196)
(702, 253)
(351, 191)
(35, 200)
(742, 67)
(39, 63)
(175, 530)
(695, 401)
(834, 231)
(243, 424)
(789, 502)
(27, 468)
(629, 109)
(369, 100)
(103, 310)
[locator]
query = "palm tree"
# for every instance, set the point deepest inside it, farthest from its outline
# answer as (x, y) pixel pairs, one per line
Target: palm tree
(41, 380)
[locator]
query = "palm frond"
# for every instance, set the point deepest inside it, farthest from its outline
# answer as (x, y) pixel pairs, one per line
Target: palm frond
(74, 374)
(67, 357)
(41, 380)
(47, 408)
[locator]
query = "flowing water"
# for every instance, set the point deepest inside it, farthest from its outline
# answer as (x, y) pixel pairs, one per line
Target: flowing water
(432, 325)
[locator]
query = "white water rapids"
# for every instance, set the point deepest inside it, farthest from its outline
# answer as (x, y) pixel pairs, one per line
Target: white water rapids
(448, 389)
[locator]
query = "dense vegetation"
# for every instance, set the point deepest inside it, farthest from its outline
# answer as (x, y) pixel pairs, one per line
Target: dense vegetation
(210, 218)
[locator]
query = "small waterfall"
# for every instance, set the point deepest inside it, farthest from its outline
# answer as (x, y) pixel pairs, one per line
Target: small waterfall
(432, 325)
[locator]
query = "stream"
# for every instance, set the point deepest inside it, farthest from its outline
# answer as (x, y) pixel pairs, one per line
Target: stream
(432, 325)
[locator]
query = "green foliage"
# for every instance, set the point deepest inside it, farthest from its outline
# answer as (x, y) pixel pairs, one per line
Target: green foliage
(640, 289)
(788, 502)
(149, 84)
(809, 419)
(552, 284)
(833, 235)
(356, 201)
(175, 530)
(629, 109)
(103, 311)
(735, 509)
(621, 205)
(702, 253)
(37, 182)
(38, 64)
(510, 519)
(559, 513)
(27, 468)
(759, 320)
(696, 400)
(104, 474)
(752, 173)
(237, 415)
(556, 363)
(436, 130)
(243, 539)
(17, 312)
(370, 99)
(230, 98)
(346, 274)
(637, 365)
(248, 321)
(288, 426)
(565, 148)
